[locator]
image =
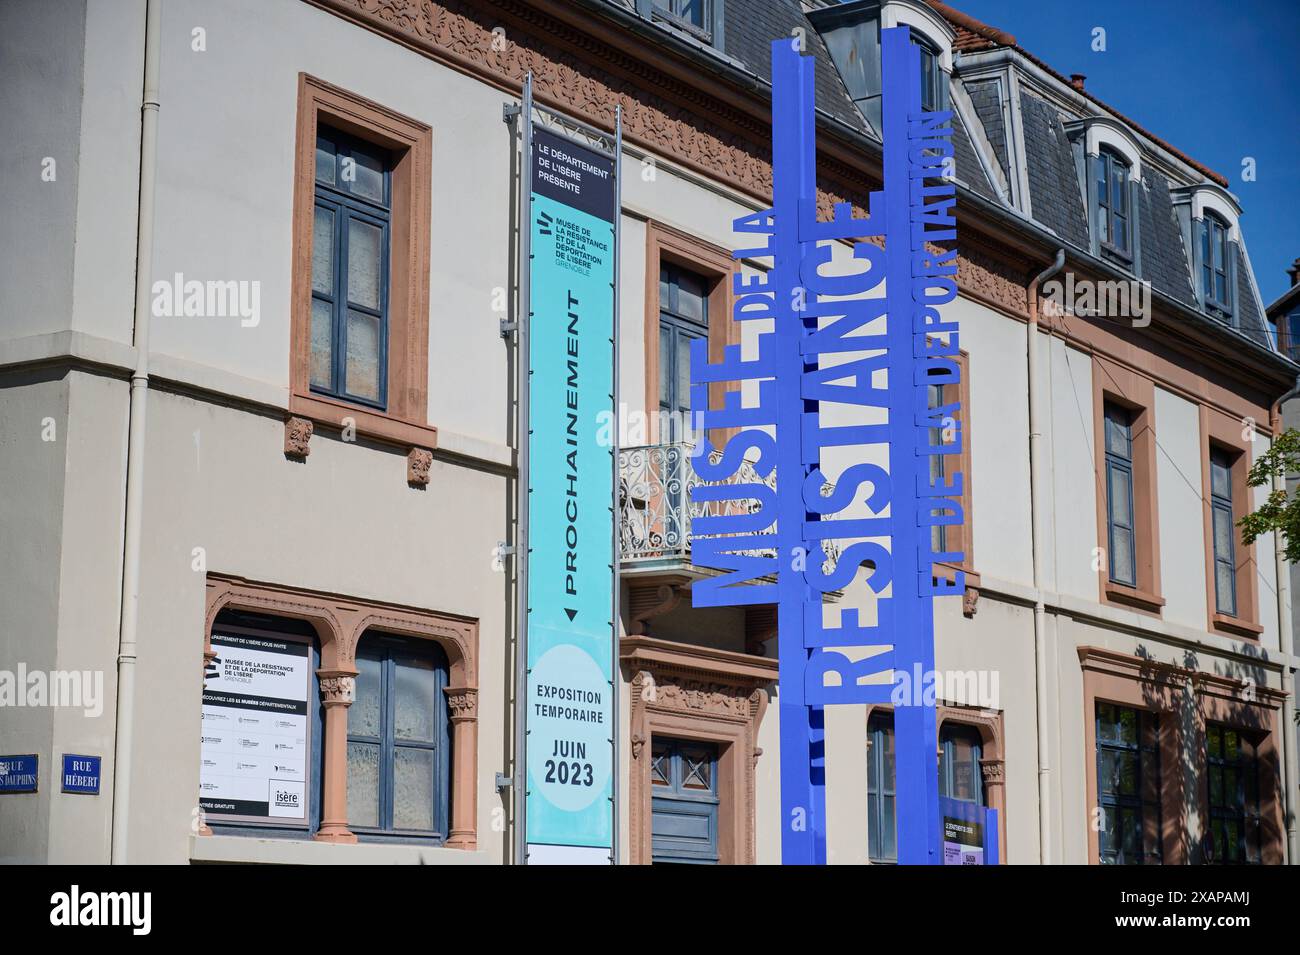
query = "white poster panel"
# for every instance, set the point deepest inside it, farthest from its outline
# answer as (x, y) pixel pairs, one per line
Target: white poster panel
(256, 742)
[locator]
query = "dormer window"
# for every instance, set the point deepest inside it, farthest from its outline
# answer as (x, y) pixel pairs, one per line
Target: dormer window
(931, 74)
(1114, 219)
(851, 32)
(695, 17)
(1208, 215)
(1215, 254)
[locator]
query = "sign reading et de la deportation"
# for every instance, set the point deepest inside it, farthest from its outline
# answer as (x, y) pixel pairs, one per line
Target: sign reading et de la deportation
(570, 512)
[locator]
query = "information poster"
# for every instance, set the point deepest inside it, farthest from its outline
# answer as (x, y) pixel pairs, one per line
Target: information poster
(570, 503)
(255, 740)
(963, 832)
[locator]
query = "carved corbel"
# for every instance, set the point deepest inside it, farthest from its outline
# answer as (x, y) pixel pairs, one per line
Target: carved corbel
(648, 603)
(418, 463)
(297, 437)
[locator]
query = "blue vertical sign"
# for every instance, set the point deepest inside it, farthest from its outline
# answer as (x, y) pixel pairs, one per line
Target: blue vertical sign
(824, 352)
(572, 212)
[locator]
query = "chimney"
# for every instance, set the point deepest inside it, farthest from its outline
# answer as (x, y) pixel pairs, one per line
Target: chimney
(1293, 273)
(1076, 80)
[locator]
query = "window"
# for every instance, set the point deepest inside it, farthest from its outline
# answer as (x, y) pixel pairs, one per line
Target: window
(960, 751)
(359, 354)
(683, 318)
(1223, 532)
(1232, 769)
(1289, 337)
(1119, 495)
(398, 739)
(1113, 225)
(932, 86)
(696, 17)
(934, 399)
(1128, 785)
(882, 835)
(1215, 251)
(954, 431)
(349, 269)
(684, 801)
(1232, 576)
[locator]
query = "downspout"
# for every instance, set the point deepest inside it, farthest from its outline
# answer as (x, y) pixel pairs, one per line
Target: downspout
(126, 654)
(1286, 642)
(1039, 546)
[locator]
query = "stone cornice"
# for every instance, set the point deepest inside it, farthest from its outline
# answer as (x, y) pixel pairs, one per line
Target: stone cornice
(740, 670)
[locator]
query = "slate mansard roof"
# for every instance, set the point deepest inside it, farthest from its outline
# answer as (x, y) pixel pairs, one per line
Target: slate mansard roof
(994, 87)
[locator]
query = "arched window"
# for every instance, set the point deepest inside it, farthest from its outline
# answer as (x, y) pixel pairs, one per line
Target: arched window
(1114, 218)
(399, 743)
(1215, 253)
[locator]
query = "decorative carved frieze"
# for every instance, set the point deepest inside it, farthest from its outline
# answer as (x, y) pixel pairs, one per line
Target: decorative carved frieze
(692, 695)
(990, 279)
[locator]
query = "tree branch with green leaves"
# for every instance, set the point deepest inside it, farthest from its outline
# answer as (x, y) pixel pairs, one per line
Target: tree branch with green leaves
(1281, 512)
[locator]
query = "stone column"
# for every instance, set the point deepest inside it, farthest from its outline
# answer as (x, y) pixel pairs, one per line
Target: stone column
(338, 688)
(462, 701)
(992, 770)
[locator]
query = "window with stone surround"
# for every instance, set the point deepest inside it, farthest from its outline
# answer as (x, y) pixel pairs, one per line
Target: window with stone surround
(360, 290)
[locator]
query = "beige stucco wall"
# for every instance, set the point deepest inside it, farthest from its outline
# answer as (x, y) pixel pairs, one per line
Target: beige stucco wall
(62, 435)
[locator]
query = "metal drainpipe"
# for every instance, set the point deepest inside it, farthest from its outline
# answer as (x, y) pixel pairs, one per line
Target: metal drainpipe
(126, 655)
(1286, 642)
(1040, 611)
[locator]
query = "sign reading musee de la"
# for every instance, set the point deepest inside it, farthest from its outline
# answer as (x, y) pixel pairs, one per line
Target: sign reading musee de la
(254, 749)
(570, 500)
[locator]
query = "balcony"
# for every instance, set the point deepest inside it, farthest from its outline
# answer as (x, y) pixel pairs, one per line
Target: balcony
(655, 511)
(654, 502)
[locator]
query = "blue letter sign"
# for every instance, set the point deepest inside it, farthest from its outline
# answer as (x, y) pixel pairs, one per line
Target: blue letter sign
(819, 397)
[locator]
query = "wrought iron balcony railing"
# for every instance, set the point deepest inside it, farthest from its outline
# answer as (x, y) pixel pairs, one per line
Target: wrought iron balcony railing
(655, 507)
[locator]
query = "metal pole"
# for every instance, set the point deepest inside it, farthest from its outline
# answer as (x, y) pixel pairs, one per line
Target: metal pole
(617, 549)
(523, 434)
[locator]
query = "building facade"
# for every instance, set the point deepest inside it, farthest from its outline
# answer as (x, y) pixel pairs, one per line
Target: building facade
(254, 387)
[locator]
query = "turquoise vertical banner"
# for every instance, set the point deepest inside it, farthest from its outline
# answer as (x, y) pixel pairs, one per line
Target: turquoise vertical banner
(570, 495)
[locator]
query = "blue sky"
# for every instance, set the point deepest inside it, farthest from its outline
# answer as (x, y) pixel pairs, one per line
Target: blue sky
(1218, 79)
